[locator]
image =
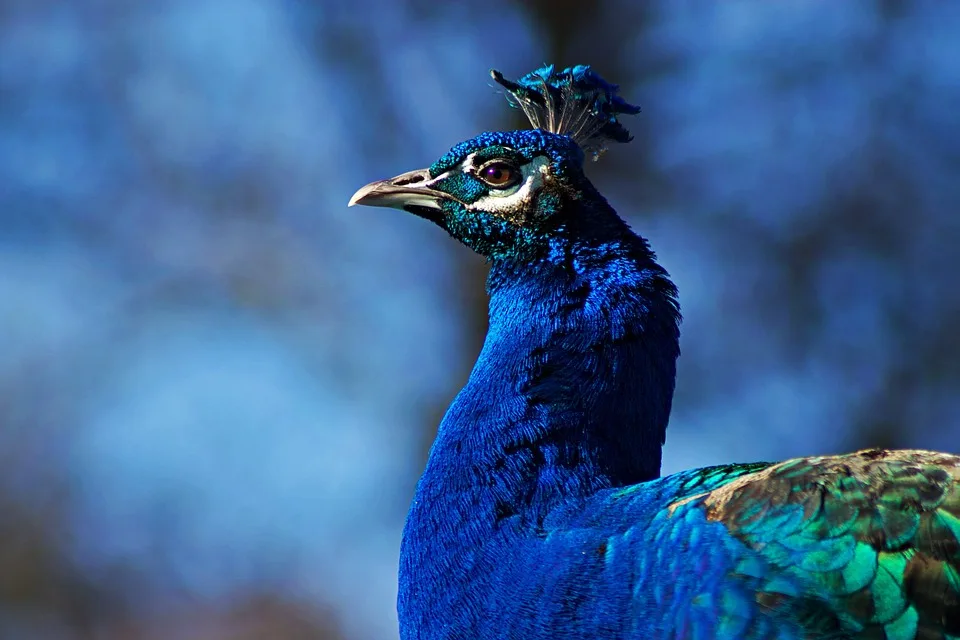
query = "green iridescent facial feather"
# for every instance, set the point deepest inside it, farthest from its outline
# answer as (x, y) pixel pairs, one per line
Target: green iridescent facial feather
(462, 186)
(493, 236)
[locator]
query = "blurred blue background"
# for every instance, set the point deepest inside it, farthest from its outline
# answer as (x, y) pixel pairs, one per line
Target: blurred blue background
(218, 384)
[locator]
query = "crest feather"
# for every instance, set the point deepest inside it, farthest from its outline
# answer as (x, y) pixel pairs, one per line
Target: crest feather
(575, 102)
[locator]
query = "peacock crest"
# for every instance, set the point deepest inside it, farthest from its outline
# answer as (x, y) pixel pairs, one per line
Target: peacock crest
(575, 102)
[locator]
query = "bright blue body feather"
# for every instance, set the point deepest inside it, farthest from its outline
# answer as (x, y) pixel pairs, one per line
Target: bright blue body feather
(541, 513)
(504, 473)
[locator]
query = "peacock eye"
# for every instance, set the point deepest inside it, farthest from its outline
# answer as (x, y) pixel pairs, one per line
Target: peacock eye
(499, 174)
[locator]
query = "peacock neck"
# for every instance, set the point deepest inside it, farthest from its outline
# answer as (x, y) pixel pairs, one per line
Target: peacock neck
(572, 389)
(570, 395)
(575, 380)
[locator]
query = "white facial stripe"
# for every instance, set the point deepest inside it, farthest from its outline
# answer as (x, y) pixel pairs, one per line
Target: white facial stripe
(515, 199)
(467, 165)
(433, 181)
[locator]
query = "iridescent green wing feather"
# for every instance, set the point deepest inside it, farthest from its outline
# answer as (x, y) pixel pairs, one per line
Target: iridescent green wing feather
(865, 545)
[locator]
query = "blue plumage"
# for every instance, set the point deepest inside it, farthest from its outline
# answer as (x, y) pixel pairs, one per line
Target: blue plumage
(541, 513)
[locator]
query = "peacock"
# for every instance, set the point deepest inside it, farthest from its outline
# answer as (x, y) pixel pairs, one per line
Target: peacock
(542, 513)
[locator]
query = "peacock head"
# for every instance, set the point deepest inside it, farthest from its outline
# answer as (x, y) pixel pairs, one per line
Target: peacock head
(514, 193)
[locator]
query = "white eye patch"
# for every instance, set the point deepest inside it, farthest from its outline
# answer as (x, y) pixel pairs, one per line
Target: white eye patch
(516, 198)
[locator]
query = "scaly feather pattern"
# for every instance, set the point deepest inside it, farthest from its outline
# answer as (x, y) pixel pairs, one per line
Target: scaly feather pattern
(541, 513)
(865, 545)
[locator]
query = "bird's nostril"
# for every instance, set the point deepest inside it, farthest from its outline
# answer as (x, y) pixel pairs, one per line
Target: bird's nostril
(410, 180)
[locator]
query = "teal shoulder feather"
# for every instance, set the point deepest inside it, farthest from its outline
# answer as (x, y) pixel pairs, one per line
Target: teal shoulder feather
(866, 545)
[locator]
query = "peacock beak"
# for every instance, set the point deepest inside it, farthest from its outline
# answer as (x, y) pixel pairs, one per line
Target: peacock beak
(410, 191)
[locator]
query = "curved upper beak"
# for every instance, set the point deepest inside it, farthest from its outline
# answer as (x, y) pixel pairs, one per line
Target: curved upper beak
(410, 189)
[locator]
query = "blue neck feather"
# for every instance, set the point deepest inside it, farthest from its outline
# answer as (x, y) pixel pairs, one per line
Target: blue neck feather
(570, 395)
